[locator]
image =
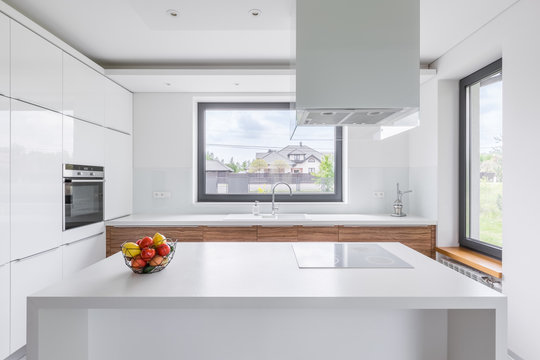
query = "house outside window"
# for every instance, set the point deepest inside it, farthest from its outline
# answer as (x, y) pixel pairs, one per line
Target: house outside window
(481, 160)
(245, 148)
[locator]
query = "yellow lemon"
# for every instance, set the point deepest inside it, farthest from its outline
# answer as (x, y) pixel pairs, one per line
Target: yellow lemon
(159, 239)
(131, 249)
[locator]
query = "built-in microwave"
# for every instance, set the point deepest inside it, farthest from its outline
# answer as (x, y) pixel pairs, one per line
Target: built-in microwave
(83, 195)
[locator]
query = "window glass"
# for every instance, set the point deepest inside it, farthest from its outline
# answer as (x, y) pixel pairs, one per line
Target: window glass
(247, 149)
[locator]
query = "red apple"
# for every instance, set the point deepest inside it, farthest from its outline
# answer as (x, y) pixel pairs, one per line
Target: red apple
(147, 254)
(163, 249)
(137, 262)
(146, 242)
(138, 242)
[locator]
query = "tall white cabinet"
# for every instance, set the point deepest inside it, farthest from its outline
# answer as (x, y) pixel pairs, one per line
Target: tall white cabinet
(4, 55)
(118, 174)
(118, 107)
(28, 276)
(4, 310)
(36, 179)
(36, 69)
(5, 242)
(84, 91)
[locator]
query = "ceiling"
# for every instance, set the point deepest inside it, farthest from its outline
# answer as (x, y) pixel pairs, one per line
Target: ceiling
(140, 33)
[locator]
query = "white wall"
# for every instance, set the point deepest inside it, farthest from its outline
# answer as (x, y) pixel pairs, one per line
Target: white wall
(513, 35)
(164, 160)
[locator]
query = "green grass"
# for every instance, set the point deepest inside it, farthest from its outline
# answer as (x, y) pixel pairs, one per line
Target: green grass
(491, 212)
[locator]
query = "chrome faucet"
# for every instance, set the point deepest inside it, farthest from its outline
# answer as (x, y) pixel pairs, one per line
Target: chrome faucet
(398, 204)
(274, 206)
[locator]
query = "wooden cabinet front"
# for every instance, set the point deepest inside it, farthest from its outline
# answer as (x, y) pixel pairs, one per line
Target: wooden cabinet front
(278, 233)
(116, 236)
(245, 233)
(419, 238)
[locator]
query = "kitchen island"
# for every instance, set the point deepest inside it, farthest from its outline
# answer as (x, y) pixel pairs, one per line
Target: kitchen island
(251, 301)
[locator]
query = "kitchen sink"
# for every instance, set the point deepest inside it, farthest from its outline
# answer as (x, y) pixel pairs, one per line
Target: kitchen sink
(267, 217)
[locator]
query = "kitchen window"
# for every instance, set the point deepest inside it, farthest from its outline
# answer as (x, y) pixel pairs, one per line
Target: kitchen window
(246, 148)
(480, 160)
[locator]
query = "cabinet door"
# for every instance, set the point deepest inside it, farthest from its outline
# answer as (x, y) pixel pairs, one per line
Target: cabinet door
(83, 143)
(36, 69)
(27, 277)
(245, 233)
(277, 233)
(118, 107)
(4, 181)
(118, 174)
(4, 56)
(318, 233)
(36, 179)
(80, 254)
(4, 310)
(84, 91)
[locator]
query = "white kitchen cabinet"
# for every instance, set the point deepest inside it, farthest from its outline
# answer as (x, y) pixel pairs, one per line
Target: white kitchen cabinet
(36, 69)
(4, 309)
(83, 143)
(4, 181)
(84, 91)
(4, 56)
(27, 277)
(80, 254)
(36, 179)
(118, 107)
(118, 174)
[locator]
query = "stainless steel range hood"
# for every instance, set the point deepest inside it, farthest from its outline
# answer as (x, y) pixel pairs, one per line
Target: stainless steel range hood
(357, 61)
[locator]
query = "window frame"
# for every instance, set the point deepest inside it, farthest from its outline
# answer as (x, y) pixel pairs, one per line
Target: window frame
(464, 240)
(202, 197)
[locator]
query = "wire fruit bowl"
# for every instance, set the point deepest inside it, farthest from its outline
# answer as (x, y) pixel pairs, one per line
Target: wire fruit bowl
(154, 265)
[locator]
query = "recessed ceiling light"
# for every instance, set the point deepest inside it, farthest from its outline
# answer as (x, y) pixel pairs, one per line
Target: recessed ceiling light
(168, 83)
(173, 12)
(236, 84)
(255, 12)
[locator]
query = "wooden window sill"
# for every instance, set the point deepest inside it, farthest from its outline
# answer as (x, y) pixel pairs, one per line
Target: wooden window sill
(473, 259)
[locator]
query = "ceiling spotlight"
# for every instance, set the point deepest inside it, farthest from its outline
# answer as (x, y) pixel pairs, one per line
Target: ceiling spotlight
(168, 83)
(255, 12)
(236, 84)
(172, 12)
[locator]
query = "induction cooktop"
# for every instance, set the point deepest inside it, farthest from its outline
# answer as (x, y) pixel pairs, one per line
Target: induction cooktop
(346, 255)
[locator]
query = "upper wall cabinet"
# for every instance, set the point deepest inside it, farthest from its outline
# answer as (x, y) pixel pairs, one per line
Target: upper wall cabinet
(4, 181)
(83, 143)
(84, 91)
(36, 179)
(4, 55)
(118, 107)
(118, 174)
(36, 69)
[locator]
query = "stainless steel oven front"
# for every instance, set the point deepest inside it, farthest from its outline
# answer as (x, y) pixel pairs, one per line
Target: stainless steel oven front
(83, 195)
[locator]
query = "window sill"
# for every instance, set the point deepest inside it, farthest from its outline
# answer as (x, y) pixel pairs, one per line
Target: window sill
(473, 259)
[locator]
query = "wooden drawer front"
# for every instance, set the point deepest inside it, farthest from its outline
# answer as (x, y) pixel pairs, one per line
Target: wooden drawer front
(419, 238)
(230, 233)
(118, 235)
(318, 233)
(265, 233)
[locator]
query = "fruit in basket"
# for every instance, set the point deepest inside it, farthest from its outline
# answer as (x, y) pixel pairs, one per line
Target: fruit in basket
(131, 249)
(138, 263)
(163, 249)
(159, 239)
(156, 260)
(147, 254)
(146, 242)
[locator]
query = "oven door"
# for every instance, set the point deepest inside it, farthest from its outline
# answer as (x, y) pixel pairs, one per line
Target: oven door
(83, 202)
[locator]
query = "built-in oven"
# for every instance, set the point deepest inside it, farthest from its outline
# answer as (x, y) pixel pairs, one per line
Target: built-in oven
(83, 195)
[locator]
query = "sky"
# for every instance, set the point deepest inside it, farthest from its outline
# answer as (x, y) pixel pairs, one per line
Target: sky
(490, 115)
(242, 133)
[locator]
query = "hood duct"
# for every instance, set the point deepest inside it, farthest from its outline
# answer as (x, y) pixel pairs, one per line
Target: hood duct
(357, 61)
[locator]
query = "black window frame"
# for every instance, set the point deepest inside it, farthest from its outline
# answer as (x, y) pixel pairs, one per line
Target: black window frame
(337, 196)
(464, 240)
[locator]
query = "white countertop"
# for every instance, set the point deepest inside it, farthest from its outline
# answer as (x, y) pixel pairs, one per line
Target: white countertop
(315, 220)
(269, 271)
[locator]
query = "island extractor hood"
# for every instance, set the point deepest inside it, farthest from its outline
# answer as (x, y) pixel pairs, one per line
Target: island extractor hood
(357, 61)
